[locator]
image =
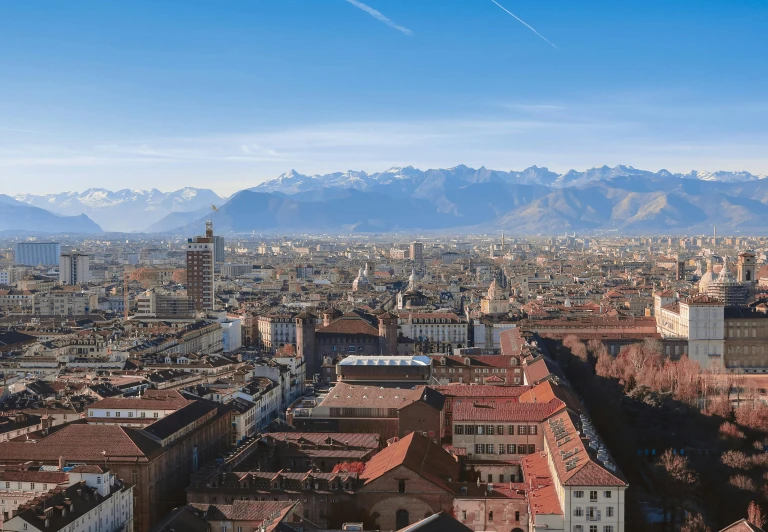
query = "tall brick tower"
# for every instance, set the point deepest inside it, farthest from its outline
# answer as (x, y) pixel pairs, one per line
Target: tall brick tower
(305, 342)
(387, 334)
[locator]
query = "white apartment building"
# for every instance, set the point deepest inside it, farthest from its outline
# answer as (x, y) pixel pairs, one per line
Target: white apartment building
(700, 320)
(443, 327)
(95, 501)
(134, 411)
(275, 330)
(573, 484)
(74, 268)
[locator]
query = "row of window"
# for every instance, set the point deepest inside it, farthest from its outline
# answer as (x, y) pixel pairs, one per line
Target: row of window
(593, 528)
(510, 448)
(579, 494)
(130, 414)
(490, 430)
(592, 513)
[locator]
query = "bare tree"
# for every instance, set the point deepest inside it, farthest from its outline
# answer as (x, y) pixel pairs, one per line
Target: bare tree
(694, 523)
(755, 515)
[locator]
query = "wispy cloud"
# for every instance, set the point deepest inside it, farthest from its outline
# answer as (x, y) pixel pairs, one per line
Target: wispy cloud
(523, 23)
(380, 17)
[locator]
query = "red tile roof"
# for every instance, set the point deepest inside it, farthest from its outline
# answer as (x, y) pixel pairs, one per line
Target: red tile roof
(48, 477)
(419, 454)
(349, 324)
(587, 470)
(742, 525)
(548, 391)
(506, 412)
(542, 496)
(85, 443)
(140, 403)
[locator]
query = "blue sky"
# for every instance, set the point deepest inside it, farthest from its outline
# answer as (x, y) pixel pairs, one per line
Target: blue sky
(226, 94)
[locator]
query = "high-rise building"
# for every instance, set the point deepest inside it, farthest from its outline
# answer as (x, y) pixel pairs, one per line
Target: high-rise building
(218, 249)
(74, 268)
(200, 261)
(34, 253)
(417, 252)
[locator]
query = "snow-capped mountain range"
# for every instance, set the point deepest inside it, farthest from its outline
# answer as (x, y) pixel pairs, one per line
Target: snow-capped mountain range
(124, 210)
(293, 182)
(534, 200)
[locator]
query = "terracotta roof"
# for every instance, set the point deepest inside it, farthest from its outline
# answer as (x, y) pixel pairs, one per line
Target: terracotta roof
(419, 454)
(85, 443)
(243, 510)
(742, 525)
(538, 370)
(141, 403)
(511, 341)
(506, 412)
(349, 395)
(349, 324)
(49, 477)
(586, 470)
(548, 391)
(542, 496)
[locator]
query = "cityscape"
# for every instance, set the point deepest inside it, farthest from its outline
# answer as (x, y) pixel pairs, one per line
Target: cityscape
(357, 266)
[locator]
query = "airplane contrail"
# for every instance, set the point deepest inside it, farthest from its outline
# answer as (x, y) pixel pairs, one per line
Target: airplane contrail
(522, 22)
(380, 17)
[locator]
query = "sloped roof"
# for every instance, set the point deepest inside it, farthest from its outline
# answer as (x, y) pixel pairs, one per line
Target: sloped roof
(419, 454)
(440, 522)
(742, 525)
(548, 391)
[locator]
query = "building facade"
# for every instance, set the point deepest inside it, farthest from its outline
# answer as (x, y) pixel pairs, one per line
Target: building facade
(200, 266)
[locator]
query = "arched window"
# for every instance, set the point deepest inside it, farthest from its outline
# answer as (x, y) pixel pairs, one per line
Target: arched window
(401, 519)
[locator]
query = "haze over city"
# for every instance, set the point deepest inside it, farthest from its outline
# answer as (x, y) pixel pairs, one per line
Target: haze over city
(393, 266)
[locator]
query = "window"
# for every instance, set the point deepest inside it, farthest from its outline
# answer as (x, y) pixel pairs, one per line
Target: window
(480, 430)
(117, 414)
(578, 528)
(401, 486)
(501, 448)
(469, 429)
(608, 528)
(532, 430)
(490, 478)
(578, 511)
(511, 430)
(479, 448)
(593, 496)
(531, 448)
(489, 449)
(592, 528)
(458, 429)
(464, 515)
(489, 430)
(501, 478)
(521, 430)
(511, 448)
(500, 430)
(609, 511)
(607, 494)
(490, 516)
(31, 485)
(517, 516)
(578, 494)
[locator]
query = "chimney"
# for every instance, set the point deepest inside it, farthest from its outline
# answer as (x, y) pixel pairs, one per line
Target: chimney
(62, 462)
